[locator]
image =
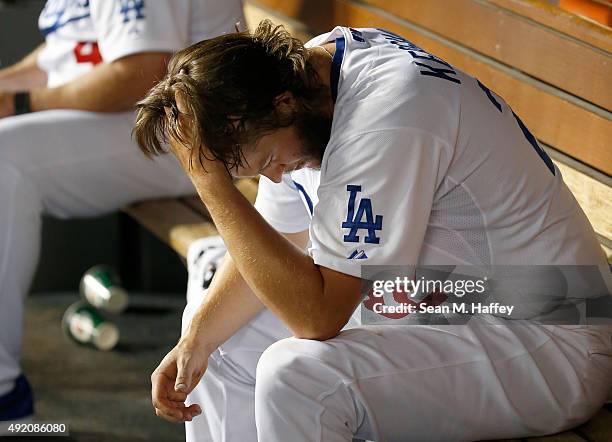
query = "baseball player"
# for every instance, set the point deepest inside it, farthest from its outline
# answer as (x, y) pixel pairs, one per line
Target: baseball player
(65, 134)
(375, 152)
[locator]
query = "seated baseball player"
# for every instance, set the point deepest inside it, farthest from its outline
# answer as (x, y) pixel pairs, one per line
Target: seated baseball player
(66, 115)
(374, 152)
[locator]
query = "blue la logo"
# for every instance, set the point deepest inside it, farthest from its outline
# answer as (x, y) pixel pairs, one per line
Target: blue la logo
(355, 221)
(128, 6)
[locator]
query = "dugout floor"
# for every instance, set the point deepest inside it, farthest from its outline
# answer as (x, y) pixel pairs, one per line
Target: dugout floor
(105, 396)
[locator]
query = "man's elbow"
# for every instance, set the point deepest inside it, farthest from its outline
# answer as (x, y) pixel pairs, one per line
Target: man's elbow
(319, 330)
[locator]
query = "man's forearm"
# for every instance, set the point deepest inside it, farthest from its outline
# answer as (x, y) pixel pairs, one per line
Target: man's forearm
(229, 305)
(25, 74)
(283, 277)
(109, 87)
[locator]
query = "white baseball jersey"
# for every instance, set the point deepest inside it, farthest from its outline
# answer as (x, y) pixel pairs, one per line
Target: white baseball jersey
(82, 33)
(425, 165)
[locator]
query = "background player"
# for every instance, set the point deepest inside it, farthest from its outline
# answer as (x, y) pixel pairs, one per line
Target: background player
(69, 153)
(378, 153)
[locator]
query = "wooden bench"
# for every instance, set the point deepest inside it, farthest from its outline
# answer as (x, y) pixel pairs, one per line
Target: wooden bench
(552, 67)
(179, 222)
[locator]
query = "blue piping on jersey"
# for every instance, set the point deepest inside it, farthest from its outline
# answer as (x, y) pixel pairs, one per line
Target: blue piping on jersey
(57, 25)
(306, 197)
(335, 69)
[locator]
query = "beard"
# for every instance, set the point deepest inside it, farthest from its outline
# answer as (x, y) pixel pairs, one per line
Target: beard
(314, 130)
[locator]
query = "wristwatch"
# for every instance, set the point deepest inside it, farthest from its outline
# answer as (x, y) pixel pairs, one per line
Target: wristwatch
(21, 103)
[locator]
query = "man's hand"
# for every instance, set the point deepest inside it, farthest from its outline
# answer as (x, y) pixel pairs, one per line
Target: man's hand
(198, 169)
(203, 168)
(6, 104)
(175, 377)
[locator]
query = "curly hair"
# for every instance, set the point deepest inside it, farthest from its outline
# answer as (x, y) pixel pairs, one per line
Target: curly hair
(228, 85)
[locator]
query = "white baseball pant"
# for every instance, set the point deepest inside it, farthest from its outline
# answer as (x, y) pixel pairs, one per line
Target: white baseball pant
(400, 383)
(65, 164)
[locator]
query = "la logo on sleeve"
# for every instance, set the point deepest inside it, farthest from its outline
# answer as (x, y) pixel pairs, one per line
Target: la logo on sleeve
(363, 219)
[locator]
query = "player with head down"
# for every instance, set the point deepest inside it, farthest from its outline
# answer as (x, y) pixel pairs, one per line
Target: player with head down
(375, 152)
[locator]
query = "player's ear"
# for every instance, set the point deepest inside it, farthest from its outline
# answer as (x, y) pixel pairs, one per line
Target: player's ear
(285, 103)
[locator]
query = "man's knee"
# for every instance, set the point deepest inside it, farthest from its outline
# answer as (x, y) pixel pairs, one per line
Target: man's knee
(17, 189)
(292, 364)
(300, 383)
(26, 139)
(14, 133)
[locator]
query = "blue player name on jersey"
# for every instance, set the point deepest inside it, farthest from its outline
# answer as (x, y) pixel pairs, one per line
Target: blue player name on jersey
(447, 72)
(429, 69)
(357, 35)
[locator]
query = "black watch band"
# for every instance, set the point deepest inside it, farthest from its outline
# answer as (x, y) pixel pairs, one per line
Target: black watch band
(21, 103)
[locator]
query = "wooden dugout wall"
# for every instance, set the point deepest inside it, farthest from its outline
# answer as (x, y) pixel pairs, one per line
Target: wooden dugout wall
(552, 67)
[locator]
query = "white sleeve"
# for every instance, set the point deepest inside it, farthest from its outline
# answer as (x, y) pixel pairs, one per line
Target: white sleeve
(375, 199)
(129, 27)
(281, 205)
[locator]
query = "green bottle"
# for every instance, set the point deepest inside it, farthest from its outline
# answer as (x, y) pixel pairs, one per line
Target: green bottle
(101, 287)
(85, 325)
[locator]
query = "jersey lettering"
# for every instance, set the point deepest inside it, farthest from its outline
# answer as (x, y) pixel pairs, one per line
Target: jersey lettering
(58, 13)
(357, 35)
(438, 72)
(528, 135)
(493, 100)
(354, 221)
(128, 6)
(87, 52)
(420, 54)
(432, 58)
(534, 143)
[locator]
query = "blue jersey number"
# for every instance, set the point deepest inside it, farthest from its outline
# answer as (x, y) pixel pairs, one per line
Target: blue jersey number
(448, 73)
(528, 135)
